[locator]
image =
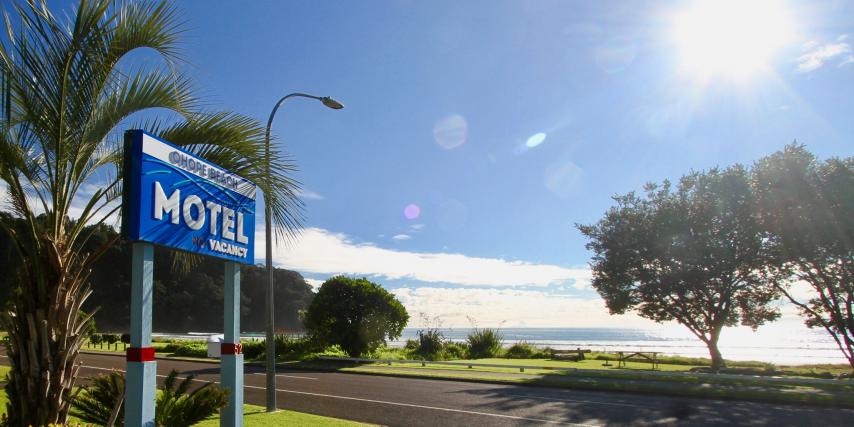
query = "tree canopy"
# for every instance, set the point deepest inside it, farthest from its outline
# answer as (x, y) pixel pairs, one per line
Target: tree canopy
(184, 301)
(356, 314)
(692, 254)
(806, 208)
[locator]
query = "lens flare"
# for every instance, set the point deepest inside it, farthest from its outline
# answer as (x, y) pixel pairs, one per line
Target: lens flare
(535, 140)
(411, 211)
(451, 132)
(563, 178)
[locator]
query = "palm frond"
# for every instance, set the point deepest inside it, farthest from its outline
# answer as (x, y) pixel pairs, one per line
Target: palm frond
(236, 143)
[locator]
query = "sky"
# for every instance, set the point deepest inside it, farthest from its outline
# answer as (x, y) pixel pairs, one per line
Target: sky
(477, 134)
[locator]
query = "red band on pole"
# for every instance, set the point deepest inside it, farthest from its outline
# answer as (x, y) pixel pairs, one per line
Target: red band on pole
(143, 354)
(231, 348)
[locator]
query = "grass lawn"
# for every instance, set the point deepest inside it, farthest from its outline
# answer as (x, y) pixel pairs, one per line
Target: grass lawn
(588, 363)
(253, 416)
(159, 349)
(119, 347)
(256, 416)
(670, 380)
(3, 399)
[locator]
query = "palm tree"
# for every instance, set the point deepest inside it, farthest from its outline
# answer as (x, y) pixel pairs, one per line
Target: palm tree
(67, 88)
(177, 406)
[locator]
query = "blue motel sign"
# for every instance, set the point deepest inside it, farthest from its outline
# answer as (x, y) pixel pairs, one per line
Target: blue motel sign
(176, 199)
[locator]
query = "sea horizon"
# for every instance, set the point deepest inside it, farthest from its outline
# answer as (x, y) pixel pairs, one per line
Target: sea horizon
(807, 346)
(768, 344)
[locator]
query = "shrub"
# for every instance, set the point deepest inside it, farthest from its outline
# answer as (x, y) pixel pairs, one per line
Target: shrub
(287, 348)
(456, 350)
(484, 343)
(95, 402)
(431, 344)
(411, 344)
(174, 406)
(254, 349)
(297, 348)
(191, 350)
(186, 349)
(521, 350)
(96, 339)
(177, 408)
(110, 338)
(385, 352)
(170, 347)
(125, 338)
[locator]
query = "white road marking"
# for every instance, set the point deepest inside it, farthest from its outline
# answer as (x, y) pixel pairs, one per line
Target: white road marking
(574, 400)
(286, 376)
(435, 408)
(384, 402)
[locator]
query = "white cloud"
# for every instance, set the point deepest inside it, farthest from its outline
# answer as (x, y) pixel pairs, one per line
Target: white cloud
(417, 227)
(321, 251)
(511, 308)
(4, 196)
(309, 195)
(401, 237)
(82, 197)
(314, 283)
(817, 55)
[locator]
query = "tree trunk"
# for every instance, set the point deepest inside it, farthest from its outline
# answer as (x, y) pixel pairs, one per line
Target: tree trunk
(715, 353)
(46, 330)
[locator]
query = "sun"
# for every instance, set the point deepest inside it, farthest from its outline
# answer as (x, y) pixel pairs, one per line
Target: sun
(730, 38)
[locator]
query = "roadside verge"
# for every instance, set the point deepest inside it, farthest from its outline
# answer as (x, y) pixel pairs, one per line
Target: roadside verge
(833, 393)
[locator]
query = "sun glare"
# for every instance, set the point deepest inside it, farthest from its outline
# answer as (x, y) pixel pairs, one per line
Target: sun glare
(730, 38)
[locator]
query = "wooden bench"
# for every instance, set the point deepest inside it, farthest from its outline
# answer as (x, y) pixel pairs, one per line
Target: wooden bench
(639, 356)
(573, 355)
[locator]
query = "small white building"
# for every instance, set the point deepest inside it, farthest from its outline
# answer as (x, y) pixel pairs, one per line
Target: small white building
(215, 345)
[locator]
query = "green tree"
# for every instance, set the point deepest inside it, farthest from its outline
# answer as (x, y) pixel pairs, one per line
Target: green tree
(690, 254)
(66, 86)
(807, 208)
(355, 314)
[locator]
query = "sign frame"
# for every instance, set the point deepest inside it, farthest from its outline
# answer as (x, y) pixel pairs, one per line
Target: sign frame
(174, 198)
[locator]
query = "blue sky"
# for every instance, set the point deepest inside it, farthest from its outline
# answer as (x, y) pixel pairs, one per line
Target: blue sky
(442, 98)
(507, 122)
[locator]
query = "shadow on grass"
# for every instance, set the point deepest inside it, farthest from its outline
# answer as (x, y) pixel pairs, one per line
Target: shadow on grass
(749, 389)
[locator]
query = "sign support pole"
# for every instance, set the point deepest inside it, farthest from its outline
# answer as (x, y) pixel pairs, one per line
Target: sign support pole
(231, 362)
(141, 367)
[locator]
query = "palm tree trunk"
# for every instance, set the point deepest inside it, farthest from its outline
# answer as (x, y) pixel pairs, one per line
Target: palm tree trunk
(46, 331)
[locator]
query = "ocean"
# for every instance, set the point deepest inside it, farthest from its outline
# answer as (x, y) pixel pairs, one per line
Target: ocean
(774, 344)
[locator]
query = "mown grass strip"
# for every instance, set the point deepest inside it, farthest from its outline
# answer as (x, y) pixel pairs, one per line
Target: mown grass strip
(256, 416)
(750, 388)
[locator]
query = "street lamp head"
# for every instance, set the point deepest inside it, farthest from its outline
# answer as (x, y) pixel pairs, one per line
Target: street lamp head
(331, 103)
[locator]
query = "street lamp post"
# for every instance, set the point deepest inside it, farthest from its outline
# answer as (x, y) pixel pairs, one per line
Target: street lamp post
(271, 339)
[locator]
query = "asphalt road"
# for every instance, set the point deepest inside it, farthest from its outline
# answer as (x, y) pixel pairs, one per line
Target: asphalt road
(422, 402)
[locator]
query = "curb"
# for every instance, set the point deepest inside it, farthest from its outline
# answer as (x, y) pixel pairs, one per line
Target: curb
(177, 358)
